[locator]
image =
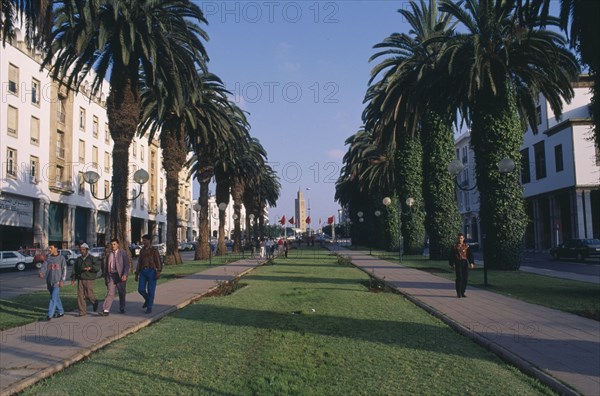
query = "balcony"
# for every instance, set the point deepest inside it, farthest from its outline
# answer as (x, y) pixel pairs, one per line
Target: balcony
(64, 187)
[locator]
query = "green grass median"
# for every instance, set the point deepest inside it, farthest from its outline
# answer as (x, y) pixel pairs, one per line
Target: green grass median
(305, 325)
(27, 308)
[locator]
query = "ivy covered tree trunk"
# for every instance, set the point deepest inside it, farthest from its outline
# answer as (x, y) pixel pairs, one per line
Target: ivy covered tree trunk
(172, 142)
(497, 134)
(123, 112)
(222, 196)
(442, 220)
(203, 246)
(237, 191)
(410, 185)
(392, 225)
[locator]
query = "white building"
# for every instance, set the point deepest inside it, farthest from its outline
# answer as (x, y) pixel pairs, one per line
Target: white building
(49, 137)
(560, 173)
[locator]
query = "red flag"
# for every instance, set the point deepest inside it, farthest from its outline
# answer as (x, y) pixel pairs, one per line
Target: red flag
(282, 221)
(308, 220)
(330, 220)
(292, 220)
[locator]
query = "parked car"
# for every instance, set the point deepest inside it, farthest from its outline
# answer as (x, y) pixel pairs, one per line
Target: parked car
(39, 256)
(14, 259)
(187, 246)
(162, 249)
(97, 252)
(579, 249)
(473, 244)
(70, 255)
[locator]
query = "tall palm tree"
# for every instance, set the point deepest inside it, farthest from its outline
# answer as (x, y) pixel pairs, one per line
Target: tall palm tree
(121, 40)
(409, 64)
(502, 63)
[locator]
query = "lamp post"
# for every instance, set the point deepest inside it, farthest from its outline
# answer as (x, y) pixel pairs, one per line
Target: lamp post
(410, 202)
(455, 167)
(140, 176)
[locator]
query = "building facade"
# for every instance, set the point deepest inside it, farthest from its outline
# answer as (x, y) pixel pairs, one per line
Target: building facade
(560, 174)
(300, 212)
(49, 138)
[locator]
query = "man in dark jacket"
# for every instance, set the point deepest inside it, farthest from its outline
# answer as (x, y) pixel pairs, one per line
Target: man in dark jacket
(85, 271)
(115, 269)
(460, 260)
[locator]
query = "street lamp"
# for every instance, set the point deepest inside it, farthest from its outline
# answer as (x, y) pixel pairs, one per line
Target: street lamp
(455, 167)
(140, 176)
(410, 202)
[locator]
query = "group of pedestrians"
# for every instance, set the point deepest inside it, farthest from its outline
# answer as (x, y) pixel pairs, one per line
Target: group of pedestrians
(115, 266)
(270, 248)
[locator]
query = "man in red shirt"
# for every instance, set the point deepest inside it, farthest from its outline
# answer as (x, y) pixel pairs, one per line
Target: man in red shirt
(148, 272)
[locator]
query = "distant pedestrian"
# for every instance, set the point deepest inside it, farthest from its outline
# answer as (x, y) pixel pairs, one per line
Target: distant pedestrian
(85, 272)
(54, 270)
(148, 272)
(280, 246)
(262, 248)
(460, 260)
(115, 268)
(286, 247)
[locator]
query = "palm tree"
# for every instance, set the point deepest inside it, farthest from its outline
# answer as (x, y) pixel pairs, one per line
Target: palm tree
(36, 14)
(121, 40)
(409, 64)
(502, 64)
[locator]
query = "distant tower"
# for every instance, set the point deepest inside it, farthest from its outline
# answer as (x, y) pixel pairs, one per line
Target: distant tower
(300, 215)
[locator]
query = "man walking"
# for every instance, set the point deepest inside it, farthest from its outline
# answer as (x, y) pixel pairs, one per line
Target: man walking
(115, 269)
(148, 272)
(460, 260)
(85, 271)
(54, 269)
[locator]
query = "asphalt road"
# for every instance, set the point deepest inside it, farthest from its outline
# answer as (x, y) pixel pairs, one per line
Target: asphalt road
(14, 283)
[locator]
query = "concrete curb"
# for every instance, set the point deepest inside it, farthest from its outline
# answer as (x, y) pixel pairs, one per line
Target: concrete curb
(21, 385)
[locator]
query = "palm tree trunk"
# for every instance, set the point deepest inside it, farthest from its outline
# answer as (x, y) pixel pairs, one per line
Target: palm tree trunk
(222, 195)
(172, 143)
(203, 246)
(237, 191)
(497, 134)
(442, 220)
(123, 112)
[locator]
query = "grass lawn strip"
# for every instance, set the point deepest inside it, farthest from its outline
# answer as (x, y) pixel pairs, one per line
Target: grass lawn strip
(302, 326)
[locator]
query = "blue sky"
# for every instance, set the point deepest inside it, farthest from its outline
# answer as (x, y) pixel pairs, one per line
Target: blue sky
(300, 68)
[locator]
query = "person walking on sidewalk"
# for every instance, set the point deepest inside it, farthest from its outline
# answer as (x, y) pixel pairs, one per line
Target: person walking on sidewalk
(460, 260)
(115, 269)
(54, 269)
(148, 272)
(85, 271)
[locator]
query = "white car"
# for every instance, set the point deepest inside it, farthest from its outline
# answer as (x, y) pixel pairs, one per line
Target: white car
(162, 248)
(70, 255)
(14, 259)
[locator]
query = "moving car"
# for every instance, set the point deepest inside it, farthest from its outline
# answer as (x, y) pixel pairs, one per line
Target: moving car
(579, 249)
(14, 259)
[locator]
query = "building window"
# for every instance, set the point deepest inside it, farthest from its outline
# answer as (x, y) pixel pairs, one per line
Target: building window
(106, 133)
(525, 170)
(106, 188)
(152, 159)
(161, 184)
(34, 131)
(60, 145)
(161, 205)
(13, 79)
(13, 121)
(82, 118)
(539, 151)
(34, 165)
(142, 153)
(95, 127)
(81, 151)
(61, 111)
(538, 114)
(142, 201)
(59, 175)
(134, 150)
(80, 184)
(558, 158)
(106, 161)
(35, 91)
(94, 188)
(11, 162)
(95, 156)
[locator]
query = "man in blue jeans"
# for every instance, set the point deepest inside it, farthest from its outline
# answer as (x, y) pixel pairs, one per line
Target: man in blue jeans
(148, 272)
(54, 270)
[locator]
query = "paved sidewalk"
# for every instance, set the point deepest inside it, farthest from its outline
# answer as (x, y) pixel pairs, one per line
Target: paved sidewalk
(560, 349)
(35, 351)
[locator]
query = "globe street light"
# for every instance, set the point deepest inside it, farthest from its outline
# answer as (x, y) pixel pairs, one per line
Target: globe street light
(410, 202)
(140, 176)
